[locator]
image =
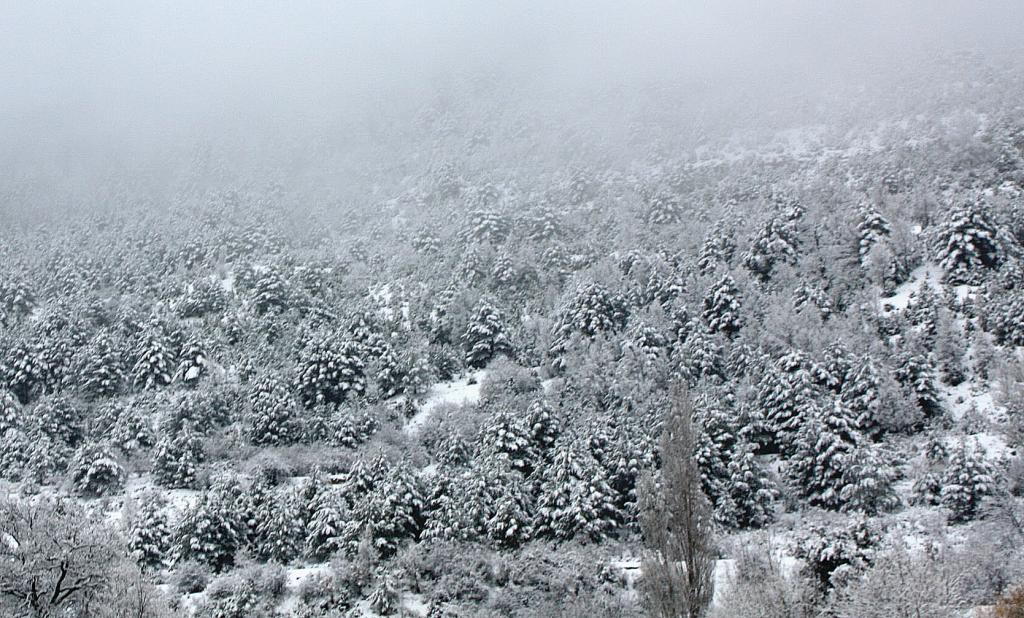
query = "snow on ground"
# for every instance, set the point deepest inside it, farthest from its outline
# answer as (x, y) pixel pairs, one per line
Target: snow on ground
(993, 445)
(929, 274)
(725, 572)
(228, 283)
(177, 500)
(464, 390)
(293, 581)
(412, 605)
(963, 397)
(429, 470)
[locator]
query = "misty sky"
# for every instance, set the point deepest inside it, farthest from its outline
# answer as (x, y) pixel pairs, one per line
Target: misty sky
(131, 73)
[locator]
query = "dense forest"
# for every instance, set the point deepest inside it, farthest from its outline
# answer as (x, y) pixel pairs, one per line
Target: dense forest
(434, 369)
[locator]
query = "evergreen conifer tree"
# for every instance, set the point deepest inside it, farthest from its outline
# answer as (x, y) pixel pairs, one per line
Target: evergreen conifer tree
(102, 371)
(966, 244)
(149, 533)
(271, 414)
(485, 336)
(210, 531)
(786, 397)
(722, 309)
(330, 371)
(154, 360)
(177, 458)
(575, 497)
(872, 229)
(966, 481)
(94, 471)
(718, 249)
(327, 517)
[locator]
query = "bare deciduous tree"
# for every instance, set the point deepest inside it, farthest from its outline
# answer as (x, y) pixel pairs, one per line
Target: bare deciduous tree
(676, 522)
(53, 558)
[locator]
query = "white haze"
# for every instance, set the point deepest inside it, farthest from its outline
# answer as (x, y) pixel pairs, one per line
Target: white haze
(93, 88)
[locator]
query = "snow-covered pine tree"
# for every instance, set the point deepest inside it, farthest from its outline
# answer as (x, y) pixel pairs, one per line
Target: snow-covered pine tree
(327, 517)
(722, 309)
(712, 449)
(177, 457)
(279, 529)
(15, 445)
(967, 479)
(485, 336)
(511, 513)
(44, 458)
(101, 370)
(390, 374)
(543, 425)
(94, 471)
(645, 346)
(192, 364)
(418, 375)
(149, 532)
(872, 229)
(581, 187)
(271, 414)
(363, 477)
(55, 417)
(366, 329)
(543, 224)
(460, 502)
(966, 244)
(663, 207)
(205, 296)
(835, 367)
(624, 449)
(786, 398)
(512, 436)
(11, 414)
(575, 497)
(25, 370)
(486, 226)
(132, 428)
(718, 249)
(352, 426)
(384, 599)
(154, 360)
(393, 510)
(923, 311)
(775, 243)
(916, 371)
(591, 309)
(210, 532)
(829, 554)
(822, 443)
(16, 300)
(1003, 304)
(861, 395)
(251, 507)
(832, 470)
(737, 485)
(749, 496)
(269, 291)
(868, 483)
(700, 355)
(810, 295)
(330, 371)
